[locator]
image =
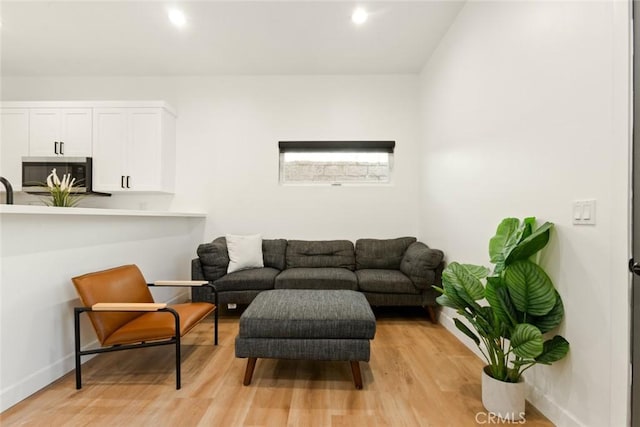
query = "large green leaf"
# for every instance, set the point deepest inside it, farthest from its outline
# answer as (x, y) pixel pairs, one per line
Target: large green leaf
(530, 288)
(445, 301)
(477, 271)
(527, 227)
(550, 320)
(465, 330)
(452, 298)
(553, 350)
(497, 296)
(504, 238)
(485, 322)
(467, 286)
(530, 245)
(526, 341)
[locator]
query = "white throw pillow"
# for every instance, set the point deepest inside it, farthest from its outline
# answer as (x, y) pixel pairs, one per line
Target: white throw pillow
(244, 252)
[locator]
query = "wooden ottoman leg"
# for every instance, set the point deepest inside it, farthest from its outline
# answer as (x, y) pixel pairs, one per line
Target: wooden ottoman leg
(248, 373)
(357, 377)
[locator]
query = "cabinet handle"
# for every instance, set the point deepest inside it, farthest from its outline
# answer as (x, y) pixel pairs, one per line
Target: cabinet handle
(55, 147)
(121, 181)
(128, 178)
(62, 148)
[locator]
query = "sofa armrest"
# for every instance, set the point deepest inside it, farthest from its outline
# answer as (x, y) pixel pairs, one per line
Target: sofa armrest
(421, 264)
(199, 293)
(196, 270)
(179, 283)
(128, 306)
(214, 259)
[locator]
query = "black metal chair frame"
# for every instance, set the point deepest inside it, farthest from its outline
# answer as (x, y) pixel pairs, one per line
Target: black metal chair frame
(120, 347)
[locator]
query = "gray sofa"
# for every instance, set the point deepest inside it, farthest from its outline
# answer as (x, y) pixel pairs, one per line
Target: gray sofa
(389, 272)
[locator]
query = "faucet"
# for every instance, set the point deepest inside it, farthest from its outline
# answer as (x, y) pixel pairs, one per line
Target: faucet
(8, 189)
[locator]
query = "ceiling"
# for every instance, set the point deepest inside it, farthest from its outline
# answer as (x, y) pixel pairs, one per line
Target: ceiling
(107, 38)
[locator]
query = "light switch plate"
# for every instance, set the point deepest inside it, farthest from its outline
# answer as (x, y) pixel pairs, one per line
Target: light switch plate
(584, 212)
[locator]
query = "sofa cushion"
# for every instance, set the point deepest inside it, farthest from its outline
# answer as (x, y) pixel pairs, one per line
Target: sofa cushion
(245, 252)
(420, 263)
(381, 254)
(214, 256)
(246, 280)
(317, 278)
(273, 252)
(385, 281)
(320, 253)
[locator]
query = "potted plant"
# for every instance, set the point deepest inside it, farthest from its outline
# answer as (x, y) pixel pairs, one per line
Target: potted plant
(62, 191)
(521, 306)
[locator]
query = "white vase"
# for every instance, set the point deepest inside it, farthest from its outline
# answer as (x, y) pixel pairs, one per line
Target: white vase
(506, 400)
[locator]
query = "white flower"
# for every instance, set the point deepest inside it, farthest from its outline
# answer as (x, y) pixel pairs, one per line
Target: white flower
(56, 180)
(50, 179)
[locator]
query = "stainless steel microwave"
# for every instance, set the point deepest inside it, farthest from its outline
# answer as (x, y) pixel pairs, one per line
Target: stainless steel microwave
(36, 169)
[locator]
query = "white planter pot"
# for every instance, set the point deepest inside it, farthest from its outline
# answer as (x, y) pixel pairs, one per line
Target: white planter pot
(506, 400)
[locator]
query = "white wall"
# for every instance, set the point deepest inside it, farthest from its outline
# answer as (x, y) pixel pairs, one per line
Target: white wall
(525, 108)
(39, 254)
(228, 130)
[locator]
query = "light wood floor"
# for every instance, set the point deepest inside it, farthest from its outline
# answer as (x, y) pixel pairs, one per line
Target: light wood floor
(419, 375)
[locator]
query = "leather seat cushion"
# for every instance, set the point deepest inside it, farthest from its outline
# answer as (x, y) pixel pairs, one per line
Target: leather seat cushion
(157, 325)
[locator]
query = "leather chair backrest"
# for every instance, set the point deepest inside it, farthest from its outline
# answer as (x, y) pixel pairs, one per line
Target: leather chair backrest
(120, 284)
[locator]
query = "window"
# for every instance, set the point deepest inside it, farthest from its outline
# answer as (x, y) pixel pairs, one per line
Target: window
(336, 162)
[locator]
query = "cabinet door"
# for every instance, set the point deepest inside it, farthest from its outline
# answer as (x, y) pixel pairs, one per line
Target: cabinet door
(110, 137)
(144, 151)
(60, 132)
(75, 133)
(44, 132)
(14, 144)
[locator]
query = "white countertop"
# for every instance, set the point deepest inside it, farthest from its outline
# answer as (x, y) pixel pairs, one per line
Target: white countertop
(50, 210)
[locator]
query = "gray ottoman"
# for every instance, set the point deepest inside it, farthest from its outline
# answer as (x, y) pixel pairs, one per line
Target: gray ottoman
(307, 324)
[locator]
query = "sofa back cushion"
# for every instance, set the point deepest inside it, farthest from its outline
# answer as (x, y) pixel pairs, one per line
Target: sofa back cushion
(320, 253)
(214, 257)
(273, 252)
(381, 254)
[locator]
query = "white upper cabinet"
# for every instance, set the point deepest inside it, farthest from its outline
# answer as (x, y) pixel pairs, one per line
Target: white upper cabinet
(60, 132)
(14, 144)
(132, 143)
(133, 149)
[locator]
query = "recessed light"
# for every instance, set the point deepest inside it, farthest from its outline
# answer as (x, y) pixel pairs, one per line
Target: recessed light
(177, 17)
(359, 16)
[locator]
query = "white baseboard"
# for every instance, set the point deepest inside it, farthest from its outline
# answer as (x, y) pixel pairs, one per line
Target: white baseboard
(29, 385)
(557, 414)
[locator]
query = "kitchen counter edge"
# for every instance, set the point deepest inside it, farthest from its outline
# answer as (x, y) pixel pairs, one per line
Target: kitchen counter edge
(51, 210)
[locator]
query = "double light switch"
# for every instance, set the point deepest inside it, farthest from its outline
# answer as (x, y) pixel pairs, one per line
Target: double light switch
(584, 212)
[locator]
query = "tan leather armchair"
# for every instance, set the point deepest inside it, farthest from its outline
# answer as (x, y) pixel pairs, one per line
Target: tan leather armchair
(124, 315)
